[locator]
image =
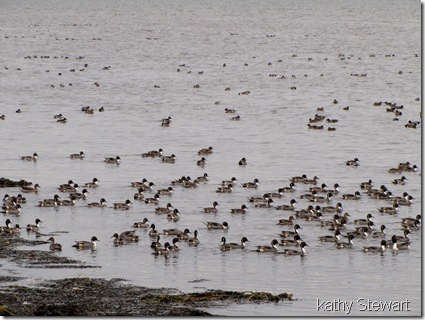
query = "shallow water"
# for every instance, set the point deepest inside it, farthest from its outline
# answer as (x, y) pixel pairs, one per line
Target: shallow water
(145, 43)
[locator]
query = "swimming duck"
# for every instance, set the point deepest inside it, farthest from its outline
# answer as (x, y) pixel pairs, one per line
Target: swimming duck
(290, 207)
(99, 204)
(53, 245)
(331, 209)
(217, 225)
(355, 162)
(86, 244)
(79, 195)
(287, 234)
(319, 199)
(153, 200)
(364, 221)
(168, 159)
(333, 191)
(345, 245)
(180, 182)
(334, 238)
(396, 245)
(67, 203)
(153, 233)
(212, 209)
(31, 189)
(15, 210)
(278, 194)
(129, 236)
(378, 234)
(92, 184)
(145, 187)
(3, 229)
(50, 202)
(190, 184)
(400, 181)
(194, 241)
(253, 184)
(142, 224)
(20, 199)
(263, 198)
(153, 153)
(291, 188)
(202, 162)
(208, 150)
(118, 240)
(123, 206)
(116, 160)
(229, 110)
(34, 227)
(389, 210)
(138, 184)
(34, 157)
(173, 231)
(68, 187)
(411, 221)
(243, 162)
(233, 245)
(268, 204)
(174, 246)
(226, 189)
(376, 249)
(366, 185)
(311, 181)
(165, 192)
(286, 222)
(232, 181)
(298, 178)
(162, 251)
(166, 209)
(80, 155)
(291, 242)
(184, 235)
(203, 178)
(236, 118)
(355, 196)
(174, 216)
(239, 210)
(322, 188)
(404, 202)
(271, 248)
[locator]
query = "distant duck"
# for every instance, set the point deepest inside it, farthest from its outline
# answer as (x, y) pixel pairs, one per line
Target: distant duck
(166, 192)
(14, 210)
(34, 157)
(355, 196)
(217, 225)
(233, 245)
(174, 216)
(203, 178)
(184, 235)
(202, 162)
(311, 181)
(366, 185)
(253, 184)
(286, 222)
(206, 151)
(153, 200)
(229, 110)
(290, 207)
(168, 159)
(267, 204)
(242, 209)
(116, 160)
(381, 249)
(396, 245)
(389, 210)
(411, 221)
(278, 194)
(100, 204)
(333, 191)
(299, 178)
(153, 153)
(291, 188)
(86, 244)
(34, 227)
(291, 242)
(226, 189)
(381, 233)
(194, 241)
(92, 184)
(400, 181)
(345, 245)
(162, 251)
(166, 209)
(142, 224)
(292, 252)
(122, 205)
(364, 221)
(129, 236)
(68, 203)
(118, 240)
(50, 202)
(80, 155)
(31, 189)
(243, 162)
(319, 199)
(174, 246)
(404, 202)
(333, 209)
(271, 248)
(355, 162)
(212, 209)
(68, 187)
(289, 234)
(53, 245)
(227, 182)
(153, 233)
(79, 195)
(334, 238)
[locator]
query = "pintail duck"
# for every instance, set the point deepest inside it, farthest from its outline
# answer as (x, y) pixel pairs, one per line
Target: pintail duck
(99, 204)
(319, 199)
(226, 189)
(334, 238)
(166, 209)
(174, 216)
(139, 196)
(34, 157)
(291, 242)
(322, 188)
(411, 221)
(263, 198)
(156, 244)
(69, 187)
(153, 200)
(202, 162)
(145, 187)
(208, 150)
(168, 159)
(174, 246)
(299, 178)
(271, 248)
(142, 224)
(355, 196)
(289, 234)
(212, 209)
(236, 118)
(397, 245)
(291, 188)
(253, 184)
(292, 252)
(137, 184)
(50, 202)
(190, 184)
(389, 210)
(203, 178)
(129, 236)
(3, 229)
(239, 210)
(153, 233)
(277, 194)
(332, 209)
(378, 234)
(400, 181)
(13, 230)
(116, 160)
(338, 225)
(404, 202)
(162, 251)
(166, 122)
(286, 207)
(232, 181)
(309, 196)
(345, 245)
(14, 210)
(34, 227)
(268, 204)
(243, 162)
(376, 249)
(364, 221)
(123, 206)
(229, 110)
(233, 245)
(366, 185)
(80, 155)
(286, 222)
(333, 191)
(86, 244)
(415, 226)
(305, 212)
(80, 195)
(353, 163)
(165, 192)
(173, 231)
(153, 153)
(53, 245)
(31, 189)
(92, 184)
(180, 182)
(311, 181)
(184, 235)
(68, 203)
(118, 240)
(217, 225)
(194, 241)
(404, 196)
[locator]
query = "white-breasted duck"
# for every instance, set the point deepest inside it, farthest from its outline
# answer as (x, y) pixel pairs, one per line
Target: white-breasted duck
(381, 233)
(153, 233)
(79, 195)
(202, 162)
(242, 209)
(278, 194)
(203, 178)
(118, 240)
(291, 242)
(364, 221)
(67, 203)
(194, 241)
(287, 207)
(355, 196)
(232, 181)
(389, 210)
(169, 159)
(92, 184)
(212, 209)
(331, 238)
(243, 162)
(141, 224)
(80, 155)
(34, 157)
(375, 249)
(253, 184)
(345, 245)
(225, 189)
(34, 227)
(86, 244)
(267, 204)
(153, 153)
(165, 192)
(184, 235)
(217, 225)
(153, 200)
(100, 204)
(233, 245)
(166, 209)
(14, 210)
(292, 252)
(174, 216)
(122, 205)
(111, 160)
(290, 234)
(353, 163)
(400, 181)
(272, 248)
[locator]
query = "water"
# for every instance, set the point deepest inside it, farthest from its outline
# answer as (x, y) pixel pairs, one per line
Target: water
(145, 43)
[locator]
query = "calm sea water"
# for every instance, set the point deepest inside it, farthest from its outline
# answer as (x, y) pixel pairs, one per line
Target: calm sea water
(293, 57)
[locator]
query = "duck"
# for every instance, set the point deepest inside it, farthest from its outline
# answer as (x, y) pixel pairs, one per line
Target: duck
(303, 213)
(232, 181)
(111, 160)
(292, 252)
(153, 153)
(355, 196)
(139, 196)
(376, 249)
(236, 118)
(345, 245)
(366, 185)
(242, 209)
(190, 184)
(123, 206)
(92, 184)
(212, 209)
(174, 246)
(86, 244)
(203, 178)
(50, 202)
(184, 235)
(153, 233)
(168, 159)
(8, 225)
(311, 181)
(404, 202)
(217, 225)
(34, 227)
(72, 187)
(165, 192)
(309, 196)
(278, 194)
(389, 210)
(287, 234)
(194, 241)
(118, 240)
(174, 216)
(141, 224)
(400, 181)
(287, 207)
(79, 195)
(233, 245)
(322, 188)
(205, 151)
(156, 244)
(31, 189)
(166, 209)
(364, 221)
(99, 204)
(34, 157)
(378, 234)
(291, 242)
(396, 245)
(226, 189)
(129, 236)
(253, 184)
(53, 245)
(153, 200)
(271, 248)
(15, 210)
(162, 251)
(354, 163)
(411, 221)
(268, 204)
(298, 178)
(263, 199)
(173, 231)
(319, 199)
(80, 155)
(229, 110)
(146, 187)
(333, 209)
(68, 203)
(291, 188)
(180, 182)
(243, 162)
(334, 238)
(202, 162)
(138, 184)
(286, 222)
(415, 226)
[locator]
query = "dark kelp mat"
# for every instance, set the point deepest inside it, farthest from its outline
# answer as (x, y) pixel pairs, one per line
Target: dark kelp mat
(100, 297)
